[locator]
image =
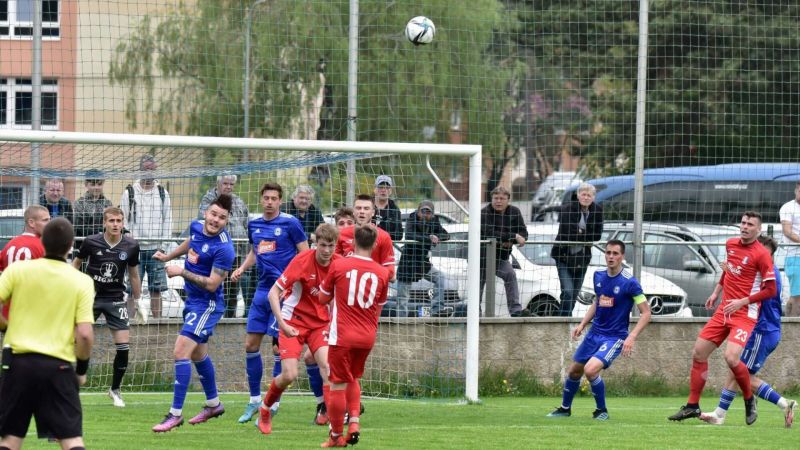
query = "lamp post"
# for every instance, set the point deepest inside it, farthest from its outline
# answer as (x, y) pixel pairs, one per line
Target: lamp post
(246, 83)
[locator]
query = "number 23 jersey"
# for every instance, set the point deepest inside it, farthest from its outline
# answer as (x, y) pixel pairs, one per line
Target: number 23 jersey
(359, 287)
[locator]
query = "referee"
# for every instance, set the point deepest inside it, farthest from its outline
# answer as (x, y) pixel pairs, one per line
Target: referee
(50, 327)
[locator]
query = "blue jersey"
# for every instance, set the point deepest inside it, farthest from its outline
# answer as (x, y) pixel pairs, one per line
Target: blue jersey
(769, 319)
(274, 244)
(207, 252)
(615, 298)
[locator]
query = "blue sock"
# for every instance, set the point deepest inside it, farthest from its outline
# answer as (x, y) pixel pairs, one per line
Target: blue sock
(570, 389)
(766, 392)
(183, 376)
(599, 392)
(276, 369)
(315, 380)
(726, 398)
(205, 369)
(255, 370)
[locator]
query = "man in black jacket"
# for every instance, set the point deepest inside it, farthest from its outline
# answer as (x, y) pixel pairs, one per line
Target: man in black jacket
(580, 220)
(302, 207)
(424, 228)
(504, 223)
(387, 214)
(53, 199)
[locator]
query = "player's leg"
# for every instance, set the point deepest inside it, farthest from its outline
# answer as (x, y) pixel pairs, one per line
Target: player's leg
(205, 370)
(317, 383)
(11, 442)
(572, 382)
(711, 336)
(358, 361)
(755, 354)
(18, 389)
(58, 409)
(121, 340)
(728, 393)
(290, 348)
(184, 347)
(339, 376)
(257, 326)
(739, 334)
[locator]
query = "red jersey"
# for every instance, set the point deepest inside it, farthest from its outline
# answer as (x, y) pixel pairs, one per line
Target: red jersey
(359, 287)
(300, 284)
(25, 246)
(748, 267)
(382, 253)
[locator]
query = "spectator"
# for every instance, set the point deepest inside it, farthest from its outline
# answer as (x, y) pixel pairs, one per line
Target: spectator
(88, 210)
(148, 216)
(387, 214)
(423, 227)
(790, 222)
(53, 199)
(237, 228)
(580, 219)
(302, 207)
(504, 223)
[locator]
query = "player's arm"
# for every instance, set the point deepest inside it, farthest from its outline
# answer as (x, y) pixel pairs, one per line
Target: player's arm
(644, 318)
(209, 283)
(274, 297)
(586, 319)
(248, 262)
(326, 288)
(136, 283)
(179, 251)
(76, 262)
(302, 246)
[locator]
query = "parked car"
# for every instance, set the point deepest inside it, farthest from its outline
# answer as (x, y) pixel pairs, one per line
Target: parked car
(550, 192)
(695, 267)
(537, 276)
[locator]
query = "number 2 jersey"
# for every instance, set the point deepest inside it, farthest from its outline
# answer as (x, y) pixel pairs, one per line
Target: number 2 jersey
(23, 247)
(206, 253)
(359, 287)
(300, 284)
(107, 264)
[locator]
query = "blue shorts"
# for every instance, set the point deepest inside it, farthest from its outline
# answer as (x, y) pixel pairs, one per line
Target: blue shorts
(156, 276)
(260, 319)
(604, 348)
(758, 348)
(792, 269)
(199, 321)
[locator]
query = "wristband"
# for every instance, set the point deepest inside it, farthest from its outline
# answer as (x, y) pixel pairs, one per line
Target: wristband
(82, 366)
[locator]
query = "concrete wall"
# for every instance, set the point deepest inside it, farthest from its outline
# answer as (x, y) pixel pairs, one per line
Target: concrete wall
(413, 346)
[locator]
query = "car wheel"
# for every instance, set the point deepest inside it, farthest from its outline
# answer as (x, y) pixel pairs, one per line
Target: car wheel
(543, 307)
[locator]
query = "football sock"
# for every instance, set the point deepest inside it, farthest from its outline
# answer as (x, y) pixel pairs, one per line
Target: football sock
(183, 376)
(725, 399)
(326, 392)
(353, 399)
(276, 368)
(571, 387)
(273, 394)
(120, 365)
(315, 380)
(599, 392)
(742, 376)
(255, 370)
(697, 381)
(205, 370)
(336, 411)
(766, 392)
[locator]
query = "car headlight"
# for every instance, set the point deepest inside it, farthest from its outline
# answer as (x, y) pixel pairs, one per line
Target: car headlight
(586, 296)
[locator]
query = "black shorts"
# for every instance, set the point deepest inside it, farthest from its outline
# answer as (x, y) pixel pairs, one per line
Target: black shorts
(45, 388)
(116, 314)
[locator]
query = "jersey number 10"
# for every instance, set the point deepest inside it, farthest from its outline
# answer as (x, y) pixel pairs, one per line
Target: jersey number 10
(13, 254)
(357, 293)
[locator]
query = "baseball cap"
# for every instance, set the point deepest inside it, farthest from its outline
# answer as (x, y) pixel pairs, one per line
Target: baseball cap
(384, 179)
(426, 204)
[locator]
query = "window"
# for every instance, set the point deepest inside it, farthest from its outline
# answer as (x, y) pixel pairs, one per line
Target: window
(16, 103)
(11, 197)
(16, 18)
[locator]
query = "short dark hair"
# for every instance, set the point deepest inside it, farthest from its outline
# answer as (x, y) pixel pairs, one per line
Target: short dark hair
(366, 197)
(769, 243)
(618, 243)
(269, 186)
(57, 237)
(224, 201)
(752, 214)
(344, 211)
(365, 237)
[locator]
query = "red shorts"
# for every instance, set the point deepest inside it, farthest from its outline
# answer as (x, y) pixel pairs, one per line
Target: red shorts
(292, 347)
(346, 364)
(736, 329)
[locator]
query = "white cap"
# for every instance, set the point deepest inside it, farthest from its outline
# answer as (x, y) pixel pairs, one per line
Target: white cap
(384, 179)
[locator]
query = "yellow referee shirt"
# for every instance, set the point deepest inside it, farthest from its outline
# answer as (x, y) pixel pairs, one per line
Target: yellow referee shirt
(49, 298)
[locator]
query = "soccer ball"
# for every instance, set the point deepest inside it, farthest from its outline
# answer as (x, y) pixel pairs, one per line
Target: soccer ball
(420, 30)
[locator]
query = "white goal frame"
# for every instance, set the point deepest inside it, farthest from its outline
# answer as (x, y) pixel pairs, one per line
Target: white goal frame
(475, 177)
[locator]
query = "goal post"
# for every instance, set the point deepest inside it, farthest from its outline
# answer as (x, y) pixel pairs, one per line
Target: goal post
(118, 155)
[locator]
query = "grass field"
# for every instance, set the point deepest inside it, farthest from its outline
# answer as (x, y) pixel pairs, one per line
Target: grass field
(498, 422)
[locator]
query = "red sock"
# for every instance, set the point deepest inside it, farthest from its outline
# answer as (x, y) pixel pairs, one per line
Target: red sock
(353, 399)
(326, 392)
(273, 394)
(742, 376)
(697, 380)
(335, 404)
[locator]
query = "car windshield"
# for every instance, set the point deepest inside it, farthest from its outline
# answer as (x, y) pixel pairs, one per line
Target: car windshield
(716, 243)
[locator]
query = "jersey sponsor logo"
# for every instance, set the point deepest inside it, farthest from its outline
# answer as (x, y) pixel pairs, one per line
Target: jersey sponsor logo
(735, 270)
(99, 253)
(192, 256)
(278, 231)
(258, 230)
(108, 271)
(266, 247)
(123, 256)
(744, 261)
(599, 284)
(605, 301)
(204, 248)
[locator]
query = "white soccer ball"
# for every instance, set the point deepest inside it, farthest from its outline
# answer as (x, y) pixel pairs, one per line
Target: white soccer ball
(420, 30)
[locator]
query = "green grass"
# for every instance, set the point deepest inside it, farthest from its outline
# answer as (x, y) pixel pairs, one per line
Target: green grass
(497, 422)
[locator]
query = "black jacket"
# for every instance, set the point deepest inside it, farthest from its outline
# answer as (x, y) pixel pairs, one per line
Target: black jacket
(414, 262)
(390, 221)
(310, 218)
(569, 217)
(64, 208)
(503, 227)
